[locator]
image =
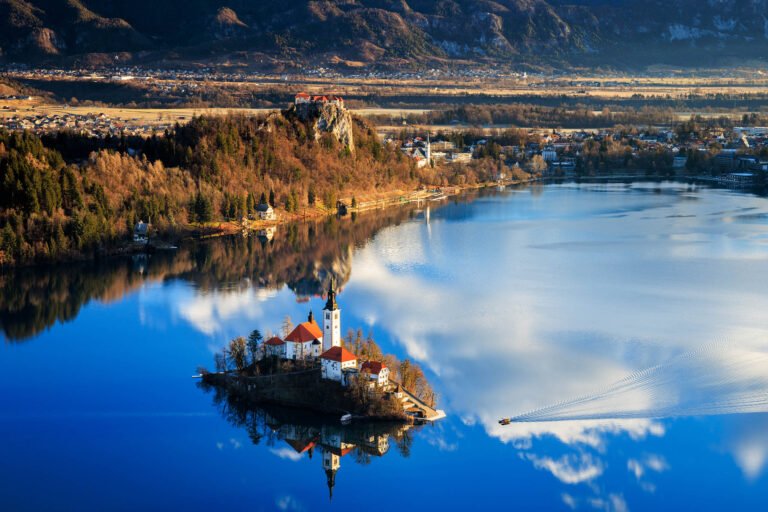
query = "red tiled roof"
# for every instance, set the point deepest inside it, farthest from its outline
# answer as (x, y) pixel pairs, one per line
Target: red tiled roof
(373, 367)
(303, 95)
(338, 451)
(307, 331)
(299, 445)
(319, 98)
(338, 354)
(274, 341)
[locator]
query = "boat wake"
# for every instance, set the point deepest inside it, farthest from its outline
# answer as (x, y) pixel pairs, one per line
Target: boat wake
(713, 380)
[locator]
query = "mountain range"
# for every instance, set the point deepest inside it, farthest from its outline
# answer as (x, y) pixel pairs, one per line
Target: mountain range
(386, 33)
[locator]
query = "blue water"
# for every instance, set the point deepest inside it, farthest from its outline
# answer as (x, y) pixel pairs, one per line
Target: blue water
(625, 324)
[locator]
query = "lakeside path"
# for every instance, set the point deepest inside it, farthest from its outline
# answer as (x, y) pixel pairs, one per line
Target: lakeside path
(366, 203)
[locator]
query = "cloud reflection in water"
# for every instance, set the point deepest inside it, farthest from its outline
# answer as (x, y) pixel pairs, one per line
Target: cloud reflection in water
(519, 303)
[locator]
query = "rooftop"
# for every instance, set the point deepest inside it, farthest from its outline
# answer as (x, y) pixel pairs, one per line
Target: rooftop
(304, 332)
(338, 354)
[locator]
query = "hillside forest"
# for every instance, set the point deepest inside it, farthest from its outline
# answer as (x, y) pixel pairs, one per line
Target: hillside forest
(67, 196)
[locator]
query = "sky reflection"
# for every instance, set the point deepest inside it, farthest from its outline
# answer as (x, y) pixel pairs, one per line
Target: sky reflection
(624, 323)
(517, 303)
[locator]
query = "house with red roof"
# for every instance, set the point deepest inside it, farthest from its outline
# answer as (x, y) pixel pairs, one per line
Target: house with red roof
(305, 340)
(377, 372)
(336, 362)
(274, 346)
(302, 97)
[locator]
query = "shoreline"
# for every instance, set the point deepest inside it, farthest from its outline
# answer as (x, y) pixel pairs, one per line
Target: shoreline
(368, 203)
(246, 390)
(168, 241)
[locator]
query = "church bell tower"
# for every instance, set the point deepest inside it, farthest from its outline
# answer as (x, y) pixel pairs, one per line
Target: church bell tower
(331, 321)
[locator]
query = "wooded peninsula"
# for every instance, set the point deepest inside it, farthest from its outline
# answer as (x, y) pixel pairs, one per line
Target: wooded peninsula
(66, 195)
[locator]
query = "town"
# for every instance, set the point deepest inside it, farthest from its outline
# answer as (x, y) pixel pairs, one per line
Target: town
(730, 157)
(89, 124)
(701, 148)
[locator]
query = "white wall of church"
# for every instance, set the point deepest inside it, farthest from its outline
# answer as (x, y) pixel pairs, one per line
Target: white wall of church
(331, 370)
(331, 329)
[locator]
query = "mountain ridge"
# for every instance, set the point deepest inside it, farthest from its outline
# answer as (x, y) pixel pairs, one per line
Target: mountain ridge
(393, 33)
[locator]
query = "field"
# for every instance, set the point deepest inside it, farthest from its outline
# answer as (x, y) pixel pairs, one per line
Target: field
(391, 102)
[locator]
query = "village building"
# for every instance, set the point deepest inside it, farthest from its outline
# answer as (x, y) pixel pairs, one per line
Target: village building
(141, 232)
(308, 341)
(302, 97)
(266, 234)
(377, 372)
(305, 340)
(266, 212)
(274, 347)
(336, 363)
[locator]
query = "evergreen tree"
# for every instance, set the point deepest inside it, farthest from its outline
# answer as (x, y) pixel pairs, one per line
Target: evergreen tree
(203, 208)
(254, 341)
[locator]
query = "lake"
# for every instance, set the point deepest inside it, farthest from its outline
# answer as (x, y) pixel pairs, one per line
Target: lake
(622, 326)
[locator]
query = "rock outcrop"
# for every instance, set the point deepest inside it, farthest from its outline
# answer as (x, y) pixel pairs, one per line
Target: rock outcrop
(328, 118)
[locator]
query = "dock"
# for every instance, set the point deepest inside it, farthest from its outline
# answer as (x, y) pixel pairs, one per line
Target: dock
(416, 408)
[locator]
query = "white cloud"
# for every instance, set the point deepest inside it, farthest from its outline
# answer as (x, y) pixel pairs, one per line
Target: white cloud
(614, 503)
(438, 441)
(288, 502)
(509, 334)
(641, 467)
(651, 462)
(751, 458)
(286, 453)
(569, 469)
(749, 443)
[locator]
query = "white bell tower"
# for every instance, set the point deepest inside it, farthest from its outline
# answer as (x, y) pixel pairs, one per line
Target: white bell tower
(331, 321)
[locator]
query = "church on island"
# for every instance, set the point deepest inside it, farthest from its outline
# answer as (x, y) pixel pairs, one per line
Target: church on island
(308, 341)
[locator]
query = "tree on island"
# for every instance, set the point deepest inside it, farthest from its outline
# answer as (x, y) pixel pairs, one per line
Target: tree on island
(220, 360)
(254, 343)
(287, 326)
(238, 353)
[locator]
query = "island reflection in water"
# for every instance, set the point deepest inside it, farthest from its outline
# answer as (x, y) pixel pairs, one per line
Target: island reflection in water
(302, 256)
(325, 442)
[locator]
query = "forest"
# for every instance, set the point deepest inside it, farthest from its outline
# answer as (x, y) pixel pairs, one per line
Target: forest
(301, 256)
(68, 196)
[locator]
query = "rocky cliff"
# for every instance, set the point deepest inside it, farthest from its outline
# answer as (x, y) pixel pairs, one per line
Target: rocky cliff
(327, 118)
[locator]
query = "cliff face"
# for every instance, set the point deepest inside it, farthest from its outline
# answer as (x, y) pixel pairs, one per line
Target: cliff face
(328, 118)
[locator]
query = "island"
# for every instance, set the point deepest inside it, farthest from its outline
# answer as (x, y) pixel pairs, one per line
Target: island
(315, 369)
